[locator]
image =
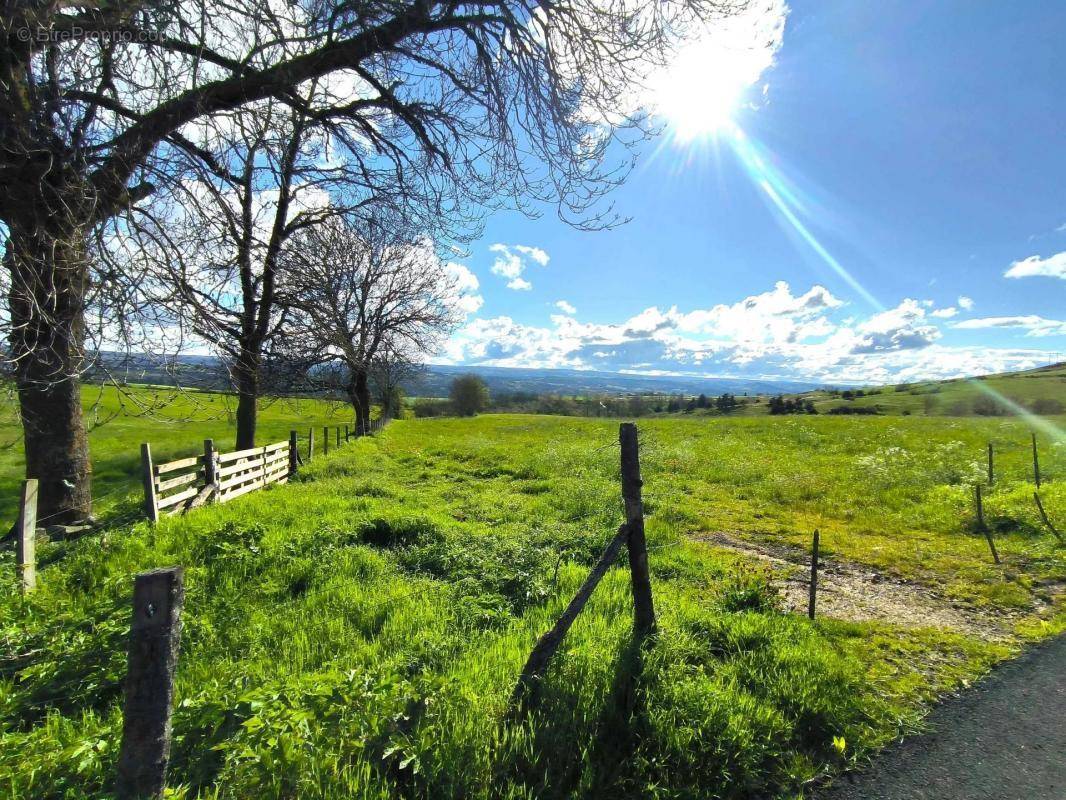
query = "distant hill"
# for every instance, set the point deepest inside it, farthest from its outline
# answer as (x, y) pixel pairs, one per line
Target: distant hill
(208, 372)
(436, 379)
(1040, 391)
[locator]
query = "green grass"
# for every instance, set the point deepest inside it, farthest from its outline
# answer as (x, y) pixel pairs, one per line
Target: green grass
(357, 633)
(954, 398)
(174, 422)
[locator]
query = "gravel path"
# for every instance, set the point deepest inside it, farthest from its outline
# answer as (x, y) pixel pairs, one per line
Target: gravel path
(1005, 739)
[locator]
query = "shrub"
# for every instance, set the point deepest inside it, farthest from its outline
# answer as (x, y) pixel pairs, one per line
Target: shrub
(469, 395)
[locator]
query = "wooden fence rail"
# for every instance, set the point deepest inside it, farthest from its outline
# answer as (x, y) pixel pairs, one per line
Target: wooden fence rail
(177, 486)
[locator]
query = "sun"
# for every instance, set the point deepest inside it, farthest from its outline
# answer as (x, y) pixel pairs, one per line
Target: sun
(700, 92)
(712, 74)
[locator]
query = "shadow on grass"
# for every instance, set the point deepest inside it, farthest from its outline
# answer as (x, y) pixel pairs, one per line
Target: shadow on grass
(562, 758)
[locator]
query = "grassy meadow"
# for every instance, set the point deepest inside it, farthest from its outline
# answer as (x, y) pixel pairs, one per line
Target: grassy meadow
(175, 422)
(357, 633)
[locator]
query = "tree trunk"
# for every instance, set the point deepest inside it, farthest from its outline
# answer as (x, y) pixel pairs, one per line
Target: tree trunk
(48, 270)
(246, 381)
(359, 395)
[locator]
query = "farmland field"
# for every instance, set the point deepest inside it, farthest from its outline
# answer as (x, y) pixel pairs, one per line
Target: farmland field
(357, 633)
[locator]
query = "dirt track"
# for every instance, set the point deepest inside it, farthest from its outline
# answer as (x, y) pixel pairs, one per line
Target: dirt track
(854, 592)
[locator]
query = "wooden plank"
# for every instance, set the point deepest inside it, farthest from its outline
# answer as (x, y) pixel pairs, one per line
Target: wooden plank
(26, 533)
(251, 487)
(227, 457)
(243, 466)
(181, 480)
(166, 502)
(183, 463)
(270, 448)
(237, 480)
(272, 477)
(148, 480)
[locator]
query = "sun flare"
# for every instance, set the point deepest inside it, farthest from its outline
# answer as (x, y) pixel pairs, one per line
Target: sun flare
(711, 75)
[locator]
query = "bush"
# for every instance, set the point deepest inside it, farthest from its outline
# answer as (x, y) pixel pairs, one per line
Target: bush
(1048, 405)
(469, 395)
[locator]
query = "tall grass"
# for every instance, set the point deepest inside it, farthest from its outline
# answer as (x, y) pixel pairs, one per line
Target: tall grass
(357, 633)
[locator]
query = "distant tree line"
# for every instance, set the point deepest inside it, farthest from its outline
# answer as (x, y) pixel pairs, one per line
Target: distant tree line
(592, 405)
(783, 405)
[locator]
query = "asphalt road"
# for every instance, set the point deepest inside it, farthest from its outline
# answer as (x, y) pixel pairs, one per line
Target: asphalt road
(1004, 739)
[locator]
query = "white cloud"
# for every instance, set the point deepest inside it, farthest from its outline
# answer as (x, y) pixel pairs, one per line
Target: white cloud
(777, 334)
(965, 303)
(565, 307)
(901, 328)
(1032, 324)
(944, 313)
(1035, 266)
(465, 285)
(512, 260)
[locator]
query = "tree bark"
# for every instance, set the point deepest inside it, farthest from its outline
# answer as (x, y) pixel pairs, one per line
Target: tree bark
(48, 268)
(359, 394)
(246, 381)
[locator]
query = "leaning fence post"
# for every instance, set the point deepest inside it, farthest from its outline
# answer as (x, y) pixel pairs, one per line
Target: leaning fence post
(813, 599)
(537, 663)
(643, 607)
(991, 469)
(155, 633)
(150, 504)
(293, 453)
(981, 522)
(1044, 516)
(310, 444)
(26, 537)
(1036, 464)
(325, 440)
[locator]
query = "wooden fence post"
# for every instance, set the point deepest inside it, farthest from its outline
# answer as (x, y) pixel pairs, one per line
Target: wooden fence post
(26, 537)
(1036, 464)
(150, 506)
(991, 468)
(1044, 516)
(981, 522)
(211, 467)
(293, 453)
(347, 436)
(310, 444)
(325, 440)
(812, 601)
(643, 607)
(338, 436)
(155, 634)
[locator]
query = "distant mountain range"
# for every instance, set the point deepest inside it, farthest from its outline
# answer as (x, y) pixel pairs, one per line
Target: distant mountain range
(208, 372)
(436, 378)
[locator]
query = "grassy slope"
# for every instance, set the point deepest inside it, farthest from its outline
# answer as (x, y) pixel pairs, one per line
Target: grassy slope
(175, 423)
(357, 633)
(947, 398)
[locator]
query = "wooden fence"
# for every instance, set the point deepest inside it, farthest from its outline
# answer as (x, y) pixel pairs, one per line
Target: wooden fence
(214, 477)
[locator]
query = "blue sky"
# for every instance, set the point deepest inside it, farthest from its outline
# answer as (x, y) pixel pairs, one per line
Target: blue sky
(857, 219)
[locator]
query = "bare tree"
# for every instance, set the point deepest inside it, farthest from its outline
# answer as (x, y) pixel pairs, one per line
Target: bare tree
(390, 371)
(368, 290)
(213, 242)
(463, 102)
